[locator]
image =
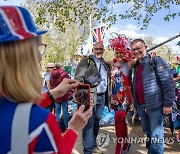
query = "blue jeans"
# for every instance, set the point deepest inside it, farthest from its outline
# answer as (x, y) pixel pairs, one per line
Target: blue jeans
(152, 125)
(91, 129)
(65, 112)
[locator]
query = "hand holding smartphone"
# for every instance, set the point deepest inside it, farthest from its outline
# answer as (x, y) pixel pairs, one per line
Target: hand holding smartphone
(83, 95)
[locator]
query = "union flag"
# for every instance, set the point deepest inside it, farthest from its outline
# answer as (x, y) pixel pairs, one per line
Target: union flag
(98, 34)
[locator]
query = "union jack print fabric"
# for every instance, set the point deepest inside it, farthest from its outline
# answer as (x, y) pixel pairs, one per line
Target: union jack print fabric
(98, 34)
(16, 23)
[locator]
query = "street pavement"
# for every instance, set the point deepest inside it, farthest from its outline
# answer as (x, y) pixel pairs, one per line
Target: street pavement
(171, 146)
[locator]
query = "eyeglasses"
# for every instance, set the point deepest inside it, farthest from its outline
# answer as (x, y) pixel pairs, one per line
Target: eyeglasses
(137, 49)
(101, 49)
(42, 48)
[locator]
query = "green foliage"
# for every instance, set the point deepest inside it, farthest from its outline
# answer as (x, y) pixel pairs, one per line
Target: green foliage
(62, 44)
(164, 51)
(63, 12)
(68, 20)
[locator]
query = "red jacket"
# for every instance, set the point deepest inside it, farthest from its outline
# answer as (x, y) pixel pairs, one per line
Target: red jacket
(57, 75)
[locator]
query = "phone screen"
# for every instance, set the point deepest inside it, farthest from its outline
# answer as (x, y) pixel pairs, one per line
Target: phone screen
(83, 95)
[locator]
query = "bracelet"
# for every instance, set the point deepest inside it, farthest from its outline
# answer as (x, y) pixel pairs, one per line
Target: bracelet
(50, 96)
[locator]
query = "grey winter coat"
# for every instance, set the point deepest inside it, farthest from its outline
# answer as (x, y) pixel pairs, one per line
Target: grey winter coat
(159, 90)
(84, 69)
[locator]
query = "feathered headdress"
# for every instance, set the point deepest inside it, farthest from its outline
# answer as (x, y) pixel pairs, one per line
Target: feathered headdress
(121, 44)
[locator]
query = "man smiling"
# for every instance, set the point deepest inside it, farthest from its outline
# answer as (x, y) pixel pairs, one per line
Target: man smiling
(100, 93)
(154, 93)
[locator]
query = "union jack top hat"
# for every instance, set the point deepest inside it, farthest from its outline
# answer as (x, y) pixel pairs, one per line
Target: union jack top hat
(16, 23)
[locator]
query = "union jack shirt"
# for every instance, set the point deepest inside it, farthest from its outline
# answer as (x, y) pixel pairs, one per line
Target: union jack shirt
(44, 133)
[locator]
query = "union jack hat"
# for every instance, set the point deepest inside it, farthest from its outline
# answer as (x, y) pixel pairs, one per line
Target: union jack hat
(16, 23)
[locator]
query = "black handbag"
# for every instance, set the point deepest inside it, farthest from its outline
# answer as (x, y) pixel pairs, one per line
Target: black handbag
(94, 79)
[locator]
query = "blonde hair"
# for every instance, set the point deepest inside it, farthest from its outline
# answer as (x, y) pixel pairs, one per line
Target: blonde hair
(19, 74)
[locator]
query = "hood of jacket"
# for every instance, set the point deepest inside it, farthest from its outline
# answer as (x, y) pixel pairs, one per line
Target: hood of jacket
(56, 73)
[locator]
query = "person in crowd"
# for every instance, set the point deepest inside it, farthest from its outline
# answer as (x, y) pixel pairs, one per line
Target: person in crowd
(57, 75)
(94, 67)
(46, 83)
(177, 78)
(19, 57)
(153, 93)
(122, 99)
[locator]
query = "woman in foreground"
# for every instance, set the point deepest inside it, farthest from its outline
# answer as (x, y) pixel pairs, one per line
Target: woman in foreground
(21, 83)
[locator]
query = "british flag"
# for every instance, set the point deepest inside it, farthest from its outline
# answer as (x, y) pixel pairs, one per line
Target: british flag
(98, 34)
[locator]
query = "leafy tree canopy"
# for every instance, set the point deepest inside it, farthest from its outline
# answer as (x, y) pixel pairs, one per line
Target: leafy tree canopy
(61, 12)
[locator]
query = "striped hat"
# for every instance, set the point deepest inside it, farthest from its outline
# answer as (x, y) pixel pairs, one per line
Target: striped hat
(16, 23)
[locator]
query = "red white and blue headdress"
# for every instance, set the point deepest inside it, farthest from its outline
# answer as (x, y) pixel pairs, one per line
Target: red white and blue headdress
(121, 44)
(16, 23)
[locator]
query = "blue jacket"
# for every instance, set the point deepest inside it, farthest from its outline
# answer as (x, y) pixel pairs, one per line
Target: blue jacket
(159, 90)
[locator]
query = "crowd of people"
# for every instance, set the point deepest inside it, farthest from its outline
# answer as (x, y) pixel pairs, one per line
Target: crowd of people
(133, 79)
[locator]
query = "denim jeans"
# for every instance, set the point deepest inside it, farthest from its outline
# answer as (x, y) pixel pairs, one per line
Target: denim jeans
(152, 125)
(91, 129)
(65, 112)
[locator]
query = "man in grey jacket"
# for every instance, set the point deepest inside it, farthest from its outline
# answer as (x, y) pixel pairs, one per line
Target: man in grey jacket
(154, 94)
(100, 93)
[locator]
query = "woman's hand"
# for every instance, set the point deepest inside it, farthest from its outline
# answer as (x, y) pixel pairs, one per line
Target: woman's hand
(152, 54)
(63, 87)
(80, 119)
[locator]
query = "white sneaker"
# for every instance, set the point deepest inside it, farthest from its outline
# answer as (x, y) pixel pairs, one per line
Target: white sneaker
(98, 150)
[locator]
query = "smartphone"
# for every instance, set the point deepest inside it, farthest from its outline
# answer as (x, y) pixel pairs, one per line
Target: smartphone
(83, 95)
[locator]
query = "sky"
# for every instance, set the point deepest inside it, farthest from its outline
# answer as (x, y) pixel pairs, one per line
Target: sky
(158, 29)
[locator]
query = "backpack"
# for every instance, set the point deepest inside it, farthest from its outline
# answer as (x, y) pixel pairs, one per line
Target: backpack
(94, 79)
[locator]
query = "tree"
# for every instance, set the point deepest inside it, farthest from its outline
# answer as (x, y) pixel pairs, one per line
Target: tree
(164, 51)
(64, 14)
(61, 45)
(61, 12)
(142, 11)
